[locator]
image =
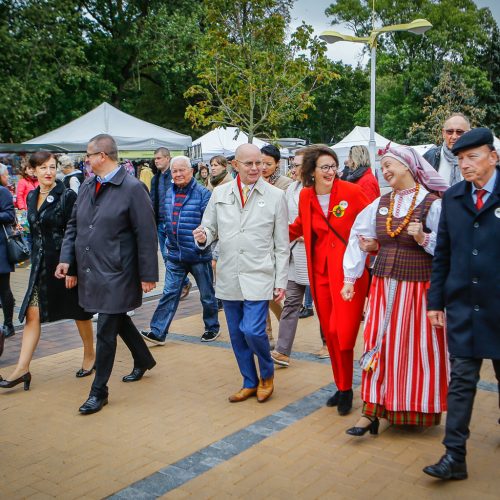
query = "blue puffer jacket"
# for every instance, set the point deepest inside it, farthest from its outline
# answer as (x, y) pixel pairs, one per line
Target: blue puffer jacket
(181, 246)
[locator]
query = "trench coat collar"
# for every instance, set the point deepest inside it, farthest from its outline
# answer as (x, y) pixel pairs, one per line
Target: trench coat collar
(464, 189)
(56, 192)
(260, 186)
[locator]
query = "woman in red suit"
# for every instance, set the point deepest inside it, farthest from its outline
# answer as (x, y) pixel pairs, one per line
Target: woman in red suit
(328, 208)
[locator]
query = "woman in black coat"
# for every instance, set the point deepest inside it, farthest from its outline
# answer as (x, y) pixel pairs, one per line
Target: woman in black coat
(7, 218)
(48, 298)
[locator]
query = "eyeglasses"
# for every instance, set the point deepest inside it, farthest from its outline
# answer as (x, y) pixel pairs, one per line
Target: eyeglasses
(326, 168)
(88, 155)
(250, 164)
(457, 131)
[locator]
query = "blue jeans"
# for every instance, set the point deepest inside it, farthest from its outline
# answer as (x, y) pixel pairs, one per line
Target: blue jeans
(246, 321)
(162, 239)
(175, 274)
(308, 300)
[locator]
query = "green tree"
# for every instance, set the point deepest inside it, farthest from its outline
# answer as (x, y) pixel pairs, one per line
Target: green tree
(250, 76)
(451, 95)
(409, 66)
(336, 107)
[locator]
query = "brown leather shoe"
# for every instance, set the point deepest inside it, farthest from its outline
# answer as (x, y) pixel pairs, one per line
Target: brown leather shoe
(265, 389)
(243, 394)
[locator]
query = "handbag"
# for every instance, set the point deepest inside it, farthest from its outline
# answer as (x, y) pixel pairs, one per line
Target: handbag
(17, 248)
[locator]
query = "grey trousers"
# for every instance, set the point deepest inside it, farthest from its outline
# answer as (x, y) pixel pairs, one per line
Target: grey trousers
(290, 317)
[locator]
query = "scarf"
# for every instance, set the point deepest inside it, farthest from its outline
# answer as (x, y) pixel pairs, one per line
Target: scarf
(421, 170)
(274, 177)
(217, 179)
(354, 175)
(453, 161)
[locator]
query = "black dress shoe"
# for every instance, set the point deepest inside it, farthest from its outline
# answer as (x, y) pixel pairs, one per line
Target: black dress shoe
(447, 468)
(93, 405)
(26, 379)
(306, 312)
(8, 331)
(84, 373)
(333, 400)
(137, 373)
(344, 405)
(361, 431)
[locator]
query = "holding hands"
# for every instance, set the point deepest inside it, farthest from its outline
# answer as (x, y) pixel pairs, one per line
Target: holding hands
(200, 235)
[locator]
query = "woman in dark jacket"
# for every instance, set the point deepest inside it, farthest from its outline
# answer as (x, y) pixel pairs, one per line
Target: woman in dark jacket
(7, 218)
(48, 298)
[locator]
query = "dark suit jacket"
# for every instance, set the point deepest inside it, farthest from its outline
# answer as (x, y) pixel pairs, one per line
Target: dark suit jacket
(112, 236)
(466, 272)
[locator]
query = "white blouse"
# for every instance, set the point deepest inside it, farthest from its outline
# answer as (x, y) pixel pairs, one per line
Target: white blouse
(324, 202)
(365, 225)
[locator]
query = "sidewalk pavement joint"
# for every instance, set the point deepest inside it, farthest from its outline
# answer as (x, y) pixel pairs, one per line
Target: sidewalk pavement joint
(192, 466)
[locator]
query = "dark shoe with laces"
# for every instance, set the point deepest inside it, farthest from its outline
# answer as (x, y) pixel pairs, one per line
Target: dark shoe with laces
(447, 468)
(149, 336)
(137, 373)
(305, 312)
(93, 405)
(344, 405)
(209, 336)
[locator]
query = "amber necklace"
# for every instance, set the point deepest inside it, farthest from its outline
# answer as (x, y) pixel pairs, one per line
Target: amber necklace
(406, 220)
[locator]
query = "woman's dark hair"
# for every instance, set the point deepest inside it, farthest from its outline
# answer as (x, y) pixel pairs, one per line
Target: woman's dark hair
(272, 151)
(40, 157)
(203, 167)
(311, 155)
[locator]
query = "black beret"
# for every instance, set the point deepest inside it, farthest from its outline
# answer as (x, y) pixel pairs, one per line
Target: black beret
(474, 138)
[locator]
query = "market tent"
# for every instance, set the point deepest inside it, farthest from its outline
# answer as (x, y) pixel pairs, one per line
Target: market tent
(223, 141)
(359, 136)
(29, 148)
(129, 132)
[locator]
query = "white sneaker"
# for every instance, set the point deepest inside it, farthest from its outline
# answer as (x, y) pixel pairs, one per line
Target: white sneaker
(130, 313)
(95, 317)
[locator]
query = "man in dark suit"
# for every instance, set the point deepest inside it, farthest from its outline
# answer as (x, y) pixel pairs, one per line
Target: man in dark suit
(464, 282)
(112, 237)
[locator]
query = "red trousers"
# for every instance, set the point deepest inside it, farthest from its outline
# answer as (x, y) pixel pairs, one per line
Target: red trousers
(342, 360)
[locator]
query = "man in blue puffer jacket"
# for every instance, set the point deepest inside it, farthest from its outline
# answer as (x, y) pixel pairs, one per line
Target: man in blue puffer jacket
(185, 204)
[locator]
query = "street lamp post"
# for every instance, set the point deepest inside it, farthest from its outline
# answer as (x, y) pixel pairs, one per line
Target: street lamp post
(417, 27)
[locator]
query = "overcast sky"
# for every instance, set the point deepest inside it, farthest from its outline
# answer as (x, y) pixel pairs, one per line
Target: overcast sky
(313, 13)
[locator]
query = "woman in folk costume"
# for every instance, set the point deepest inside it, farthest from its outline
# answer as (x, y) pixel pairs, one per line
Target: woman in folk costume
(328, 208)
(405, 365)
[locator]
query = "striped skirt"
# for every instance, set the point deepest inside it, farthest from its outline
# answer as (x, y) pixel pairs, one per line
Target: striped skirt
(410, 381)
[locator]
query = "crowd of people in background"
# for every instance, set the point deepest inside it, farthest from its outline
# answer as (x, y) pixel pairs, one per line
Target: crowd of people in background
(257, 241)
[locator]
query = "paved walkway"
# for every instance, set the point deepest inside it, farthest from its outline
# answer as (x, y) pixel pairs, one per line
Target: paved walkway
(174, 435)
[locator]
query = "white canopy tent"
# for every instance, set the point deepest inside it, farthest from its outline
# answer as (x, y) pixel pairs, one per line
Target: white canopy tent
(359, 136)
(223, 141)
(421, 149)
(129, 132)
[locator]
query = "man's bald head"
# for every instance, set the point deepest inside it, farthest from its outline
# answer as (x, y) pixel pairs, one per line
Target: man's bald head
(248, 162)
(244, 149)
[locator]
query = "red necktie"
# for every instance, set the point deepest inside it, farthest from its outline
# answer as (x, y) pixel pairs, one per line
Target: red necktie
(480, 193)
(97, 186)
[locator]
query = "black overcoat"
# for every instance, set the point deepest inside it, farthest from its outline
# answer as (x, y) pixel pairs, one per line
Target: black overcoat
(466, 272)
(47, 227)
(112, 237)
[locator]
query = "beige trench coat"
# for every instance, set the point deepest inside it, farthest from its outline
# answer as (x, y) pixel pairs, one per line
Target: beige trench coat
(253, 241)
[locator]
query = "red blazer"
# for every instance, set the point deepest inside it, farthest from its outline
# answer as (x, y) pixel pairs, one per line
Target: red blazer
(369, 184)
(331, 249)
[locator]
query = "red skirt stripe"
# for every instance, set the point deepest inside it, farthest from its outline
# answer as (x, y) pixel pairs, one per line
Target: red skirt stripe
(412, 372)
